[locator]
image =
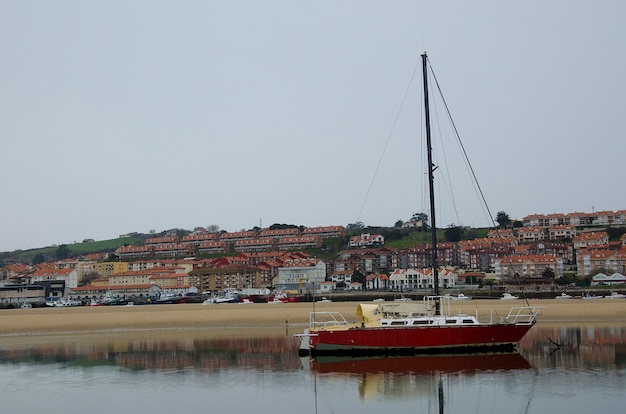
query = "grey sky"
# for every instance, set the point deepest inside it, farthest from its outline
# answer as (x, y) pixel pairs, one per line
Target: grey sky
(124, 116)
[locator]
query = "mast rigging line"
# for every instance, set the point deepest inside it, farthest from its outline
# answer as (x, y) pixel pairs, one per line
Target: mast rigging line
(471, 169)
(393, 127)
(463, 151)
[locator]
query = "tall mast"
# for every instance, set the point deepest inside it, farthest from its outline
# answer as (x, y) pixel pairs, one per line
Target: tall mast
(431, 183)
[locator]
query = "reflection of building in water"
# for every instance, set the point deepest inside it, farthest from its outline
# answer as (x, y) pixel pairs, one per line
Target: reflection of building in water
(247, 353)
(373, 385)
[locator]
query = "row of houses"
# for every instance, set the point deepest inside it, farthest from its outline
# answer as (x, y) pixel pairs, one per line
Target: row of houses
(202, 242)
(577, 219)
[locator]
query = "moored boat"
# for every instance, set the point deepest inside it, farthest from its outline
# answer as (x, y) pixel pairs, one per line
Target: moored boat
(406, 327)
(615, 295)
(412, 327)
(564, 295)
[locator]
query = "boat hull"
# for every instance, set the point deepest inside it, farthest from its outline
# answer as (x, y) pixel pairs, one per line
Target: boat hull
(406, 340)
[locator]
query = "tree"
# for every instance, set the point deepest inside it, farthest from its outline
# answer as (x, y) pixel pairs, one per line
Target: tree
(399, 223)
(355, 227)
(357, 276)
(453, 233)
(503, 220)
(88, 277)
(421, 218)
(39, 258)
(63, 252)
(471, 234)
(548, 273)
(213, 228)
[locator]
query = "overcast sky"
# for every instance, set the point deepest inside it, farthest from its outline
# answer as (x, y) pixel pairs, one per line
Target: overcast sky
(120, 116)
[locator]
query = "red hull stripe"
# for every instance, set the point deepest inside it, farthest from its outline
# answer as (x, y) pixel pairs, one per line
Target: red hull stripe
(417, 337)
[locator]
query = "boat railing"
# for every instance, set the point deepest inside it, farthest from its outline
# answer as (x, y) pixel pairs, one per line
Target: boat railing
(443, 301)
(322, 320)
(522, 315)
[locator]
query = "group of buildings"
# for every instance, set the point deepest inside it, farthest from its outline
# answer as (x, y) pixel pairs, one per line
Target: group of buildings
(535, 254)
(203, 242)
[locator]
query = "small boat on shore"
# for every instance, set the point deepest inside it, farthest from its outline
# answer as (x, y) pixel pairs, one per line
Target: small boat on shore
(564, 295)
(615, 295)
(508, 296)
(460, 296)
(63, 302)
(587, 296)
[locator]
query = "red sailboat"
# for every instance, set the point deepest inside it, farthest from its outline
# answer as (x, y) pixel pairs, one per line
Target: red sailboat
(413, 327)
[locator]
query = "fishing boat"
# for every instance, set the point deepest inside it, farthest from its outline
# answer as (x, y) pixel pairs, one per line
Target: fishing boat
(415, 327)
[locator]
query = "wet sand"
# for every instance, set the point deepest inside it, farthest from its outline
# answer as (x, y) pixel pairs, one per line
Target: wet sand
(240, 319)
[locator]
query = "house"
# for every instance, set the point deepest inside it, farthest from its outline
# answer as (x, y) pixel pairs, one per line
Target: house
(377, 281)
(530, 234)
(366, 239)
(614, 279)
(529, 266)
(327, 287)
(69, 276)
(325, 232)
(596, 239)
(354, 286)
(590, 261)
(341, 276)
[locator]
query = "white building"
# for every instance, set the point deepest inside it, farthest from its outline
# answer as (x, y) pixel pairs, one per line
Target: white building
(366, 239)
(294, 272)
(412, 279)
(614, 279)
(70, 276)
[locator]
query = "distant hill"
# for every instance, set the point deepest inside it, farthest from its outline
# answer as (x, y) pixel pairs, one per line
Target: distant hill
(76, 249)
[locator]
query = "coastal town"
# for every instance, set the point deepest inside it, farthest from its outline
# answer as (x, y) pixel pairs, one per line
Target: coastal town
(541, 253)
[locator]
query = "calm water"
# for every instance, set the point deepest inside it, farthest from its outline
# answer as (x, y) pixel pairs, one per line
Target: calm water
(265, 375)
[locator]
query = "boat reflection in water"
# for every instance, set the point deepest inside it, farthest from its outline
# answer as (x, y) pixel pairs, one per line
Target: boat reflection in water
(420, 365)
(417, 378)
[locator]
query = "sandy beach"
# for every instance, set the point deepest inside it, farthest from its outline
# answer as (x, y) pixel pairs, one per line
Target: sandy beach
(243, 319)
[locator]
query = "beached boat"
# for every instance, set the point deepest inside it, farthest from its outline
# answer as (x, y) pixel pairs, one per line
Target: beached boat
(564, 295)
(587, 296)
(406, 327)
(227, 296)
(460, 296)
(170, 298)
(282, 297)
(508, 296)
(615, 295)
(64, 302)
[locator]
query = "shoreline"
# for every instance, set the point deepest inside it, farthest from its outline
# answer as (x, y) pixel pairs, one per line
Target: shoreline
(263, 316)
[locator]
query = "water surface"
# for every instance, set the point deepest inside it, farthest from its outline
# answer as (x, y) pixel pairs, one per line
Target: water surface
(187, 371)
